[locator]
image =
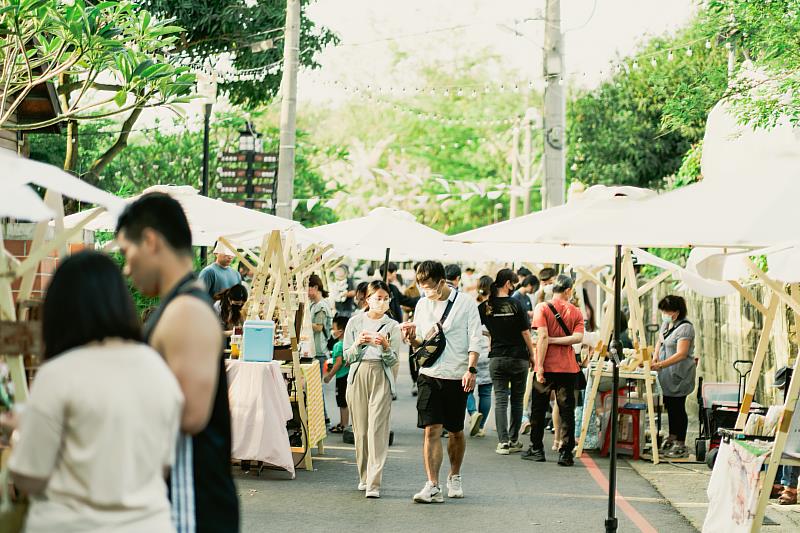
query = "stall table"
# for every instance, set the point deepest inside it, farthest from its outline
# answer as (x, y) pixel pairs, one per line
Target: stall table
(260, 409)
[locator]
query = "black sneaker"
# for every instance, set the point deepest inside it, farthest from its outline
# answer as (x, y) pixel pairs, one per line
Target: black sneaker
(565, 458)
(533, 454)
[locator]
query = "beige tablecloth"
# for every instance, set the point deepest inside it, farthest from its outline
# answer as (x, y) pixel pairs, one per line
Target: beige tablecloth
(260, 409)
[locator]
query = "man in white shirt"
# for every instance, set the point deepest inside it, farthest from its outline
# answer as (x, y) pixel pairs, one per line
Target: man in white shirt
(443, 386)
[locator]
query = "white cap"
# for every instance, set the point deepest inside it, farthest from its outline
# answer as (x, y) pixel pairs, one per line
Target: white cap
(222, 249)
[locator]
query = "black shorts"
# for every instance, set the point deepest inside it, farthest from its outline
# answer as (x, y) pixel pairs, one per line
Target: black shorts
(441, 401)
(341, 390)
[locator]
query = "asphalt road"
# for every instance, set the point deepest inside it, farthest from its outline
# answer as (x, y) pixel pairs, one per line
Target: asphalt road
(502, 493)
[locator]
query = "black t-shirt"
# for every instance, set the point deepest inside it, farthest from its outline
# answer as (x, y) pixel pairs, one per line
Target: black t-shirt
(505, 319)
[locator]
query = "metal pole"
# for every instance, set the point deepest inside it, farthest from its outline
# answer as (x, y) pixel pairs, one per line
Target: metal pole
(554, 109)
(204, 184)
(611, 521)
(513, 203)
(527, 161)
(291, 49)
(386, 266)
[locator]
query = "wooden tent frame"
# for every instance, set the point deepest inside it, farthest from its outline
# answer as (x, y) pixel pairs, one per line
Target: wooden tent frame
(278, 290)
(777, 298)
(643, 352)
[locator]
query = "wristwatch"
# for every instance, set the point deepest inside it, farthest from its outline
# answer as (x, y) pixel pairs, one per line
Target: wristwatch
(472, 370)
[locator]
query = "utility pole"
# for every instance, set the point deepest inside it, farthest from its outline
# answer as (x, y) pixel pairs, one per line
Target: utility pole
(554, 109)
(291, 50)
(512, 212)
(528, 162)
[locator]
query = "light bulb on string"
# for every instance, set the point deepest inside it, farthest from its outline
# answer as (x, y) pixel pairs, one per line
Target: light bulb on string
(670, 56)
(689, 52)
(460, 93)
(708, 44)
(653, 62)
(635, 65)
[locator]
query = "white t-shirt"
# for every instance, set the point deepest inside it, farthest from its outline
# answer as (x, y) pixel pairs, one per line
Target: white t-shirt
(462, 329)
(373, 352)
(101, 424)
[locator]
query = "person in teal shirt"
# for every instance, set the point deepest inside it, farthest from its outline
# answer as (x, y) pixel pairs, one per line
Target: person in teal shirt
(339, 370)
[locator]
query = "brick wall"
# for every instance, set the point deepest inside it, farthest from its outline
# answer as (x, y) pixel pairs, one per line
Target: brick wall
(47, 266)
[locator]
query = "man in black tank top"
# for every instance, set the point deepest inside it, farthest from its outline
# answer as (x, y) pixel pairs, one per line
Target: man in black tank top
(155, 238)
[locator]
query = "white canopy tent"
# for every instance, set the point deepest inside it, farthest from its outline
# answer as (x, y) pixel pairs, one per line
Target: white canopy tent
(209, 218)
(21, 170)
(19, 201)
(369, 237)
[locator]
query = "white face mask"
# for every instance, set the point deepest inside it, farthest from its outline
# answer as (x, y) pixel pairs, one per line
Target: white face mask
(548, 291)
(666, 319)
(381, 306)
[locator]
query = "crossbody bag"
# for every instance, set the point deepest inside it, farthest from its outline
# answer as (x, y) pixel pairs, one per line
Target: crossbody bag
(435, 341)
(580, 381)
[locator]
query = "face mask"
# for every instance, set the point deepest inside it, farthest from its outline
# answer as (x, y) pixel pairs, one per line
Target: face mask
(432, 294)
(381, 306)
(666, 319)
(548, 291)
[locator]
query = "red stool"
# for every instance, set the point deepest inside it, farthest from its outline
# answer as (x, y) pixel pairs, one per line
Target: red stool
(633, 445)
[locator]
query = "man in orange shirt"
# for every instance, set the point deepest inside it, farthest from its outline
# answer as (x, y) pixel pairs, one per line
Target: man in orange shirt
(559, 325)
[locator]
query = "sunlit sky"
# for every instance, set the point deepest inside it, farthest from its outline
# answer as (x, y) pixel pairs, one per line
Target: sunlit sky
(596, 31)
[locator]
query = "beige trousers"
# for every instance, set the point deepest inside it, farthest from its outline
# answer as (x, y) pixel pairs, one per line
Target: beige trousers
(369, 399)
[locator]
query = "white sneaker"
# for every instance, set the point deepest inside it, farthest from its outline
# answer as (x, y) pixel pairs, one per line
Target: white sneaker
(454, 489)
(362, 485)
(502, 448)
(475, 423)
(373, 494)
(430, 493)
(481, 433)
(515, 447)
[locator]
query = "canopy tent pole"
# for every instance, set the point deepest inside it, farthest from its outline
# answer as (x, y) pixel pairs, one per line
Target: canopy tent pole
(611, 521)
(386, 266)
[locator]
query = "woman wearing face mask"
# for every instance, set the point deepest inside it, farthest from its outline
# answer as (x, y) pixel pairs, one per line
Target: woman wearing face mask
(371, 347)
(676, 366)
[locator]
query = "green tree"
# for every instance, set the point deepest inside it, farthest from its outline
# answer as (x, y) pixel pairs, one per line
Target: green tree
(636, 128)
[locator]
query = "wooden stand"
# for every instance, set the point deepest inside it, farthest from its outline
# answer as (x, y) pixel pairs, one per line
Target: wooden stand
(643, 353)
(279, 289)
(777, 298)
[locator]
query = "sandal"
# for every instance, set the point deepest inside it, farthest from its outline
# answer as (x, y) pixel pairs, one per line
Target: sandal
(338, 428)
(789, 497)
(557, 445)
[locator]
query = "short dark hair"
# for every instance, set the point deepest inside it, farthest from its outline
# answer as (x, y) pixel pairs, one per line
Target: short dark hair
(87, 301)
(377, 285)
(452, 272)
(673, 303)
(392, 269)
(562, 284)
(523, 272)
(316, 282)
(547, 273)
(470, 270)
(530, 281)
(430, 271)
(341, 321)
(161, 213)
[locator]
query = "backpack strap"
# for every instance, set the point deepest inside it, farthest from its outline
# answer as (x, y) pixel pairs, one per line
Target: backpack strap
(448, 308)
(559, 319)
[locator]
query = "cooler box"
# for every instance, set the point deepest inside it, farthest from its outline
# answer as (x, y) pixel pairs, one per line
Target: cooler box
(258, 340)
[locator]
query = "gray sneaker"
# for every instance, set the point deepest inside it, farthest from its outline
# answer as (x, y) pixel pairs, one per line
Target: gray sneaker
(677, 452)
(515, 447)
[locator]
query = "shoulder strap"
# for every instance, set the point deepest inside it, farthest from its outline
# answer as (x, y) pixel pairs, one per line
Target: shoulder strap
(559, 319)
(678, 324)
(448, 307)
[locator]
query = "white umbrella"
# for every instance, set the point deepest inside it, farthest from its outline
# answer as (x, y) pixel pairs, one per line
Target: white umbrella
(208, 218)
(369, 237)
(23, 170)
(20, 202)
(747, 199)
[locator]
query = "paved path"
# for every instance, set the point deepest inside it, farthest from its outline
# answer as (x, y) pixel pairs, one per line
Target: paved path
(503, 493)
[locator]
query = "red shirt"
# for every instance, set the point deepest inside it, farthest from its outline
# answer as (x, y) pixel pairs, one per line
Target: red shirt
(559, 358)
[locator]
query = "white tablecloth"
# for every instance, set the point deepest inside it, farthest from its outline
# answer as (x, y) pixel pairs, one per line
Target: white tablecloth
(260, 409)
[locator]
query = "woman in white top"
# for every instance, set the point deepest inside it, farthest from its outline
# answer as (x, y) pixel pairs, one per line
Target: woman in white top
(97, 434)
(371, 344)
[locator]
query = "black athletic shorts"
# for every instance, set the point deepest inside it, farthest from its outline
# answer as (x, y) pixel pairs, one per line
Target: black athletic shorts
(441, 401)
(341, 390)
